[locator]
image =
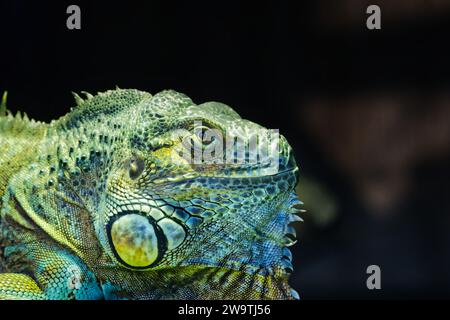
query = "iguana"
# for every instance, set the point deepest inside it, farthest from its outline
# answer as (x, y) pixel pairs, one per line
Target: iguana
(100, 205)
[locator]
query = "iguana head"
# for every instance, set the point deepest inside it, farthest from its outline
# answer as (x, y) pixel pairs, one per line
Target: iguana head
(190, 201)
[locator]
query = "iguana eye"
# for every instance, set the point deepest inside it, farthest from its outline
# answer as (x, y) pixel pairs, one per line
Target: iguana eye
(136, 167)
(135, 240)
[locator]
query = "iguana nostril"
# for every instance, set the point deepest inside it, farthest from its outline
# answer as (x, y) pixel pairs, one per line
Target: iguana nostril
(135, 241)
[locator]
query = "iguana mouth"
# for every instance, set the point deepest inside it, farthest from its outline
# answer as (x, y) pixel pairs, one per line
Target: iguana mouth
(157, 211)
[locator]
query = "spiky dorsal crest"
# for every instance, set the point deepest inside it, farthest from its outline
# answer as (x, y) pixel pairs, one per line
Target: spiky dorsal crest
(91, 107)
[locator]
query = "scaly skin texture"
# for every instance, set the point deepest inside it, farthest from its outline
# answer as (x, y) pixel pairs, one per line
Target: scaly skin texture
(96, 206)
